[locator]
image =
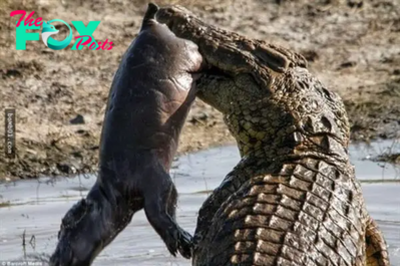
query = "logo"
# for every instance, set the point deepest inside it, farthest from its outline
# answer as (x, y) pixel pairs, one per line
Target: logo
(49, 29)
(85, 33)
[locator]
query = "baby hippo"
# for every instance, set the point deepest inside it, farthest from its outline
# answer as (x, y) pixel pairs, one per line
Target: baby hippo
(149, 100)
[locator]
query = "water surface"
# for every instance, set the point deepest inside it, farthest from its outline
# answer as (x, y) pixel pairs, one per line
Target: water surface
(36, 207)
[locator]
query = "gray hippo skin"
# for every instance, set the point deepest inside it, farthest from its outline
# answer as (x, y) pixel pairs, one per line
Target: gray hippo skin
(150, 97)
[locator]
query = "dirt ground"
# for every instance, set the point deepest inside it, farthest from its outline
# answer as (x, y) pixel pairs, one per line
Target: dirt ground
(60, 96)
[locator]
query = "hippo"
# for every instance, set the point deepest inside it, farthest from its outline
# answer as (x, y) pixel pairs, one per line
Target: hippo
(150, 97)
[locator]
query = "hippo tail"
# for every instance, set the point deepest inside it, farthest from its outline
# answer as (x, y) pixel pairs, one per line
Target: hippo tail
(150, 14)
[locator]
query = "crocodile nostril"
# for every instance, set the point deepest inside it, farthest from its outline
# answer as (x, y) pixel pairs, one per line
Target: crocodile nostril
(326, 123)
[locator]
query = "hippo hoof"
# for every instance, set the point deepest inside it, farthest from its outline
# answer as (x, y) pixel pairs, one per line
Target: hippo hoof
(181, 241)
(185, 244)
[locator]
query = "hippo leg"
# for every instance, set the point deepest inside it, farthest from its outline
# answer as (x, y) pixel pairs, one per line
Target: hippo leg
(160, 207)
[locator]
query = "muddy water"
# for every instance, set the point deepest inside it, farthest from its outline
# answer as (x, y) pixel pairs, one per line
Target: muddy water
(36, 208)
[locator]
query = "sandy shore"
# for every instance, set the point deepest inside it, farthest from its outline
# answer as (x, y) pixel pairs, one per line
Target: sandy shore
(60, 96)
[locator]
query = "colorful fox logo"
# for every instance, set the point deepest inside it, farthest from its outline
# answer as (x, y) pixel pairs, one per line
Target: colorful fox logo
(48, 30)
(85, 33)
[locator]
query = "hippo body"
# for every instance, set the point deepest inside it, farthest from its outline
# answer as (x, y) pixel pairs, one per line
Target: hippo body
(149, 100)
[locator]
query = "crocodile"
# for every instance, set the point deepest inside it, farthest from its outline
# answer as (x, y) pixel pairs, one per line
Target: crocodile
(293, 198)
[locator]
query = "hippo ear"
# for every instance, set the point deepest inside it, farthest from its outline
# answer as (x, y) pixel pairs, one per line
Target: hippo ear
(150, 13)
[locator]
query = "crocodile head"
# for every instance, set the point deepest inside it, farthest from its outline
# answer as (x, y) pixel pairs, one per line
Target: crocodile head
(272, 105)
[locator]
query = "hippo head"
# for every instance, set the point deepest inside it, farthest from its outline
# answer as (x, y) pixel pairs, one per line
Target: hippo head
(79, 238)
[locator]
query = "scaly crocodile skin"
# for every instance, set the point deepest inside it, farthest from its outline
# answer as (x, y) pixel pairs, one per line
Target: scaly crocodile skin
(293, 199)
